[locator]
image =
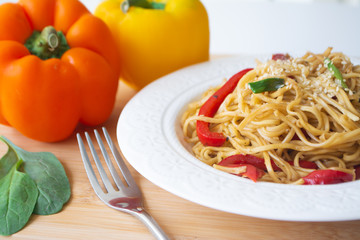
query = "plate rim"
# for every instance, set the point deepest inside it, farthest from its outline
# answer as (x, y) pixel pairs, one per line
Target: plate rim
(143, 170)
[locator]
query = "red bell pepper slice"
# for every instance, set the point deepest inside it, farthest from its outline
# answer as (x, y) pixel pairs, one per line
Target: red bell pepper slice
(280, 56)
(251, 172)
(305, 164)
(260, 163)
(296, 137)
(211, 106)
(357, 172)
(327, 176)
(247, 159)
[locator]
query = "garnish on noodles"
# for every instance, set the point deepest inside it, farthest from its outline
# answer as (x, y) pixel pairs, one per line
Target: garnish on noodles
(288, 120)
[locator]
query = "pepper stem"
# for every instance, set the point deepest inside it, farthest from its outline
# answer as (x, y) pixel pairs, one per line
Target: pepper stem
(49, 33)
(47, 44)
(149, 4)
(125, 5)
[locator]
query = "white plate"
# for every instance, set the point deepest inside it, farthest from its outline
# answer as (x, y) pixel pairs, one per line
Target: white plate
(150, 137)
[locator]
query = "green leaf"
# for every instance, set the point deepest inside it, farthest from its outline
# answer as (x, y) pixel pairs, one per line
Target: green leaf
(7, 162)
(18, 195)
(335, 72)
(267, 85)
(50, 178)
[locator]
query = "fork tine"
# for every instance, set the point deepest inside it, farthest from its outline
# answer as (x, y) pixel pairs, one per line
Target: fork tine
(101, 170)
(113, 172)
(88, 168)
(128, 199)
(119, 160)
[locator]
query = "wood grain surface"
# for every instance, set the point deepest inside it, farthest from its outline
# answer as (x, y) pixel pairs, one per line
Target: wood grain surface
(86, 217)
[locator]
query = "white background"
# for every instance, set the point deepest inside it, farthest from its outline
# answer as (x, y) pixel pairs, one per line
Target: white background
(283, 26)
(293, 26)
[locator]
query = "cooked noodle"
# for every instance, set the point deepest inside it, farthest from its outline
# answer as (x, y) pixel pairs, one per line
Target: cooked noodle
(311, 118)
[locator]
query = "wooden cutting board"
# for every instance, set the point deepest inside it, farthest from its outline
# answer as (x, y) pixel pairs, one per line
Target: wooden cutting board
(86, 217)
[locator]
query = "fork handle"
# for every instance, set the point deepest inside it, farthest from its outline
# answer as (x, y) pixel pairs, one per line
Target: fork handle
(151, 224)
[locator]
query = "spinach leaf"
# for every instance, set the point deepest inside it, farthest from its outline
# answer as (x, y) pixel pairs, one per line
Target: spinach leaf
(50, 178)
(18, 195)
(7, 162)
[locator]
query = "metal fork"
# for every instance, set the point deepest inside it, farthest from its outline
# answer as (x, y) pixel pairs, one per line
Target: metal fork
(127, 197)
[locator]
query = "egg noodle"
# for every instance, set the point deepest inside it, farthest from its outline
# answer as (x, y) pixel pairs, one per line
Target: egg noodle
(312, 117)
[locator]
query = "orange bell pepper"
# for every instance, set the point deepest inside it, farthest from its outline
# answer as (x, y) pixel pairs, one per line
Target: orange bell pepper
(59, 65)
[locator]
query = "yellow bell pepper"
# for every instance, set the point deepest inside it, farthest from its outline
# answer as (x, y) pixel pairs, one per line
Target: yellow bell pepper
(156, 37)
